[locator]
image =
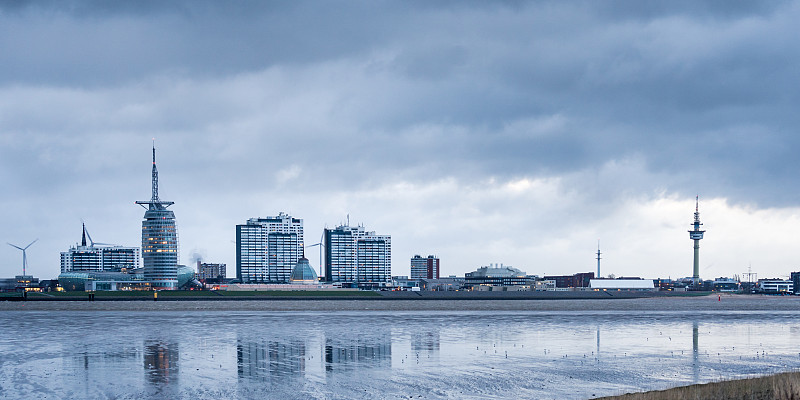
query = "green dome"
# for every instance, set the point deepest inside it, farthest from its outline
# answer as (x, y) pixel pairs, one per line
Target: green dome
(303, 273)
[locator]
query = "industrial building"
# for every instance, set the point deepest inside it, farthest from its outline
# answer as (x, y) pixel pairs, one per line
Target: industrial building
(357, 257)
(267, 249)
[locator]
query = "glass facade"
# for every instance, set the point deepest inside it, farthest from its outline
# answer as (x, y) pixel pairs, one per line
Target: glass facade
(160, 248)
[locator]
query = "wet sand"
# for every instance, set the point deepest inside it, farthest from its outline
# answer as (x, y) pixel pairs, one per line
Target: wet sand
(702, 304)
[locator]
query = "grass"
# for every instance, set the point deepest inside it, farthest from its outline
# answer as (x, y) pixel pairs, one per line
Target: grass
(138, 294)
(785, 386)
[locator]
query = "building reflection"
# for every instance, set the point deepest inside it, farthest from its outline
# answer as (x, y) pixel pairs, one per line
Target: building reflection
(268, 360)
(160, 362)
(425, 341)
(357, 352)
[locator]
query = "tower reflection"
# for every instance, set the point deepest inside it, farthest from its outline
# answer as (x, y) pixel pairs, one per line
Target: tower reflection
(160, 362)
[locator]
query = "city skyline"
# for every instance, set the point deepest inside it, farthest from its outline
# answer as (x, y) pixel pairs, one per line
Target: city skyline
(516, 133)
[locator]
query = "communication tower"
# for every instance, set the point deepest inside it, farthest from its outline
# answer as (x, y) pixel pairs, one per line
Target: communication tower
(696, 234)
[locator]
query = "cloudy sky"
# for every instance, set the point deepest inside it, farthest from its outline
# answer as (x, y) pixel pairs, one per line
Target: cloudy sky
(483, 132)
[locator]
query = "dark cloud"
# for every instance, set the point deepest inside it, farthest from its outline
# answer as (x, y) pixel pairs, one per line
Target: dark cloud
(265, 103)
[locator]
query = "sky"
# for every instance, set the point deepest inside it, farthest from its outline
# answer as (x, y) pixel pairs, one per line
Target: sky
(513, 132)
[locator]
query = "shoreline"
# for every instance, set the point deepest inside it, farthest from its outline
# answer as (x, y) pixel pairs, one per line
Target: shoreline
(779, 386)
(659, 304)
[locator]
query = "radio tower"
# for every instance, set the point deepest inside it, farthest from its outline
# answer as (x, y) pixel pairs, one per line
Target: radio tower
(696, 234)
(598, 259)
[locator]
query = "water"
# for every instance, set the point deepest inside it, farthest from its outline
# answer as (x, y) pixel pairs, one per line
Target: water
(363, 349)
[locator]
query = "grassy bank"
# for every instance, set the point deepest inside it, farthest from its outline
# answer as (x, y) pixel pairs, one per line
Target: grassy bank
(192, 294)
(784, 386)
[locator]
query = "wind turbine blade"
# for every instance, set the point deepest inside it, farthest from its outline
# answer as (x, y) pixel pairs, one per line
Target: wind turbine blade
(26, 247)
(12, 245)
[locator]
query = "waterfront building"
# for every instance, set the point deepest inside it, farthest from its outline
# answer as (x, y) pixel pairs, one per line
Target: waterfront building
(210, 271)
(357, 257)
(775, 286)
(424, 268)
(112, 281)
(496, 275)
(795, 276)
(159, 239)
(267, 249)
(98, 257)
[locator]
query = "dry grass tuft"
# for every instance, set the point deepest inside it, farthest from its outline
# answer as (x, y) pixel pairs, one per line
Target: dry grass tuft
(784, 386)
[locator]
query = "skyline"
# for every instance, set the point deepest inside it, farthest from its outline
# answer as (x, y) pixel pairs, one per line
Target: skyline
(516, 133)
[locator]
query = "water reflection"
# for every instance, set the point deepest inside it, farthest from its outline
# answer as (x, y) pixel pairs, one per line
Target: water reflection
(476, 354)
(695, 351)
(161, 360)
(265, 360)
(349, 353)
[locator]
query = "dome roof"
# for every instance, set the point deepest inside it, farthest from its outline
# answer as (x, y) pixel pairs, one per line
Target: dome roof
(303, 273)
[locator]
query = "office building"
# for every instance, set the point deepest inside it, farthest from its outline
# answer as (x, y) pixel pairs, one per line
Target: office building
(356, 257)
(159, 239)
(98, 257)
(267, 249)
(424, 268)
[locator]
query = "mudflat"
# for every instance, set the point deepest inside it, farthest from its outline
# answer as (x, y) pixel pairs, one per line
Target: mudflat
(696, 304)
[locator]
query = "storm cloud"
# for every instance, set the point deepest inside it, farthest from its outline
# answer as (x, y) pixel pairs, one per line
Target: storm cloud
(515, 132)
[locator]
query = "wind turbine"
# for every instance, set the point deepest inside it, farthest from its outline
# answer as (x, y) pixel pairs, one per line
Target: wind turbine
(24, 255)
(321, 245)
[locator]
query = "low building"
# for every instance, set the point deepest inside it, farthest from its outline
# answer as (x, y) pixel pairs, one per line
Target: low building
(442, 284)
(113, 281)
(726, 285)
(775, 286)
(496, 275)
(622, 284)
(579, 280)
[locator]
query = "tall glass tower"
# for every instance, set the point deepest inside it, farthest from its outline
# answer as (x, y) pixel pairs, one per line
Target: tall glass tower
(159, 239)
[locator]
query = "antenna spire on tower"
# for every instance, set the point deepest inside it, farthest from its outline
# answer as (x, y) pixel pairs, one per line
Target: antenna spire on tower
(155, 203)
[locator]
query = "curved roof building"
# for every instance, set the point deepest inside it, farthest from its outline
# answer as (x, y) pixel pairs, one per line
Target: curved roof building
(303, 273)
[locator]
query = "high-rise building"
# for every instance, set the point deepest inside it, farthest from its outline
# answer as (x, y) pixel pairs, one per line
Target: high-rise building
(99, 257)
(356, 256)
(267, 249)
(424, 268)
(159, 239)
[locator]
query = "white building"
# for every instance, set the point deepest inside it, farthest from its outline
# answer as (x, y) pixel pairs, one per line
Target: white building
(775, 286)
(267, 249)
(98, 258)
(356, 256)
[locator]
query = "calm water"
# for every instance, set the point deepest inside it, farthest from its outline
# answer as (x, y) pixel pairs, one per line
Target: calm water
(384, 354)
